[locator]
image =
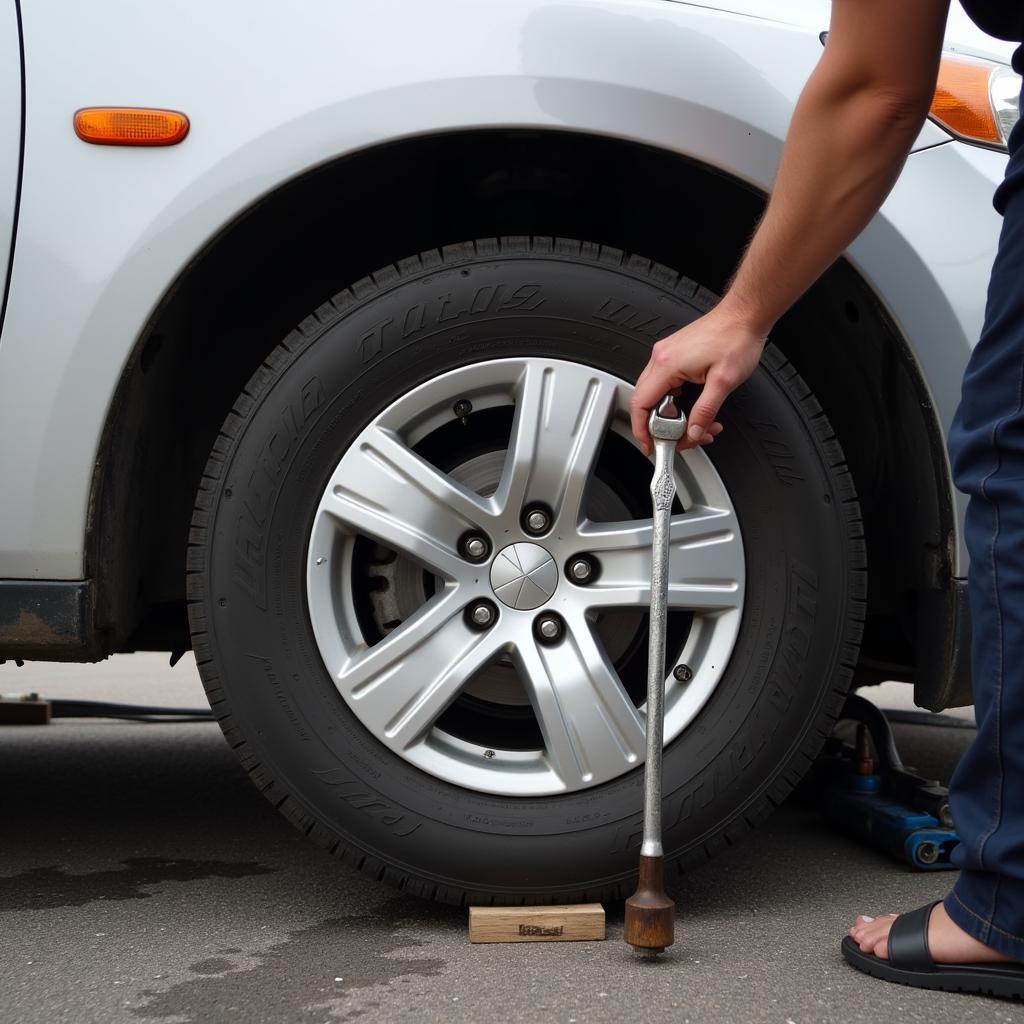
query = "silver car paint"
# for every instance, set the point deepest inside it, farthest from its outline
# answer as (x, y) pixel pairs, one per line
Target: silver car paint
(10, 131)
(962, 34)
(273, 90)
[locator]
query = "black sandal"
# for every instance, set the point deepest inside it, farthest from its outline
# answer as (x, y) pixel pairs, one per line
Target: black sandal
(910, 963)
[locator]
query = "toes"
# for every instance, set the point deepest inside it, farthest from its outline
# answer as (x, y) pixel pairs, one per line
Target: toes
(872, 934)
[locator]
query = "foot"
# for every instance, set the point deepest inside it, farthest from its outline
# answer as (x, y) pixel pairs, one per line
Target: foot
(948, 943)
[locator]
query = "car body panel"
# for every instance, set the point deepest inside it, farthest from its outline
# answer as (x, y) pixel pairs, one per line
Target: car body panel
(962, 35)
(10, 134)
(274, 91)
(806, 13)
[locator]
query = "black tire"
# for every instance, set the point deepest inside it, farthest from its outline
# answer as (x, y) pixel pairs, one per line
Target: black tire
(753, 740)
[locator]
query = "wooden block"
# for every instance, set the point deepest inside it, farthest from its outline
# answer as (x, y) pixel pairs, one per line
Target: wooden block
(24, 710)
(536, 924)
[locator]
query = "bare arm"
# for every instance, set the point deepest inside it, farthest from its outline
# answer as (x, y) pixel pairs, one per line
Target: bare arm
(852, 129)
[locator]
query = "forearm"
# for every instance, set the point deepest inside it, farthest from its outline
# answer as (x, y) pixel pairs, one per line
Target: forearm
(846, 146)
(855, 122)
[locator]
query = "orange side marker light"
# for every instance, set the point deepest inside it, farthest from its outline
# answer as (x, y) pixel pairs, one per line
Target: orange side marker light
(130, 126)
(963, 102)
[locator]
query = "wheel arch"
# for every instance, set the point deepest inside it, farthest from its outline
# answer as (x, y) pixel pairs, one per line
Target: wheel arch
(299, 244)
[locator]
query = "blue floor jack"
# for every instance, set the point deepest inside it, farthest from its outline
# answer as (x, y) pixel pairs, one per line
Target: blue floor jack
(877, 799)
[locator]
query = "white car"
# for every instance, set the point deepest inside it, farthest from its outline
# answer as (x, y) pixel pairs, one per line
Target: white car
(409, 539)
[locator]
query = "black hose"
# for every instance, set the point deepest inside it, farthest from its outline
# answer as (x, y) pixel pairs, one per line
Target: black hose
(862, 710)
(128, 712)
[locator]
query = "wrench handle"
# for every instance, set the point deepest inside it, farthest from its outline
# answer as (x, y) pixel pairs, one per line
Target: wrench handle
(662, 492)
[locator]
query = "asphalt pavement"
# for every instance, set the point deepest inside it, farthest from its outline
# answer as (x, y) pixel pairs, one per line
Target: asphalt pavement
(144, 879)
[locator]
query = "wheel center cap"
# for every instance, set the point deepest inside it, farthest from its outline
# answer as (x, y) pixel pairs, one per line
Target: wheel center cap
(524, 576)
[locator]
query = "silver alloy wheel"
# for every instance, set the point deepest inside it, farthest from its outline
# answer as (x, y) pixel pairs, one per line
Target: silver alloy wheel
(400, 685)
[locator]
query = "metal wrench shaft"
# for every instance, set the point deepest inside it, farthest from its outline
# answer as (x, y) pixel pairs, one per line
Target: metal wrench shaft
(650, 914)
(663, 490)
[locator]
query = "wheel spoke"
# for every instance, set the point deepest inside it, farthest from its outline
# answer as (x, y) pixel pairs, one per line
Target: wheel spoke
(401, 685)
(705, 561)
(591, 728)
(560, 422)
(386, 491)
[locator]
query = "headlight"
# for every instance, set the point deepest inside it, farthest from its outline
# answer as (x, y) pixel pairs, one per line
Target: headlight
(977, 100)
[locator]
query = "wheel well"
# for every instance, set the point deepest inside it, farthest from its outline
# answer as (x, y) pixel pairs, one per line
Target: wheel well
(302, 243)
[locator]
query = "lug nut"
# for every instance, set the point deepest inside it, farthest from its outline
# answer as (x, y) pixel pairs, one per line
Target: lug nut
(482, 614)
(475, 547)
(537, 521)
(683, 673)
(549, 629)
(581, 570)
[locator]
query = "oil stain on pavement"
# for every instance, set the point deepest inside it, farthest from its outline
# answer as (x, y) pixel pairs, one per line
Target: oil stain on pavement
(48, 887)
(308, 976)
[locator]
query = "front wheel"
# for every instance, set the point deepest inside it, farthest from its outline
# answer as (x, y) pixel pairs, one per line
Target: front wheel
(420, 566)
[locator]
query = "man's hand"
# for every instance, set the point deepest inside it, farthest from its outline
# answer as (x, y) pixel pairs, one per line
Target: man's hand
(718, 351)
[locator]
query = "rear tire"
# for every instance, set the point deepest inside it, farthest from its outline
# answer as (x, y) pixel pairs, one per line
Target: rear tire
(753, 738)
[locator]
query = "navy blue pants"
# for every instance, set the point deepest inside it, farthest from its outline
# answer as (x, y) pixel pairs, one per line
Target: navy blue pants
(986, 445)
